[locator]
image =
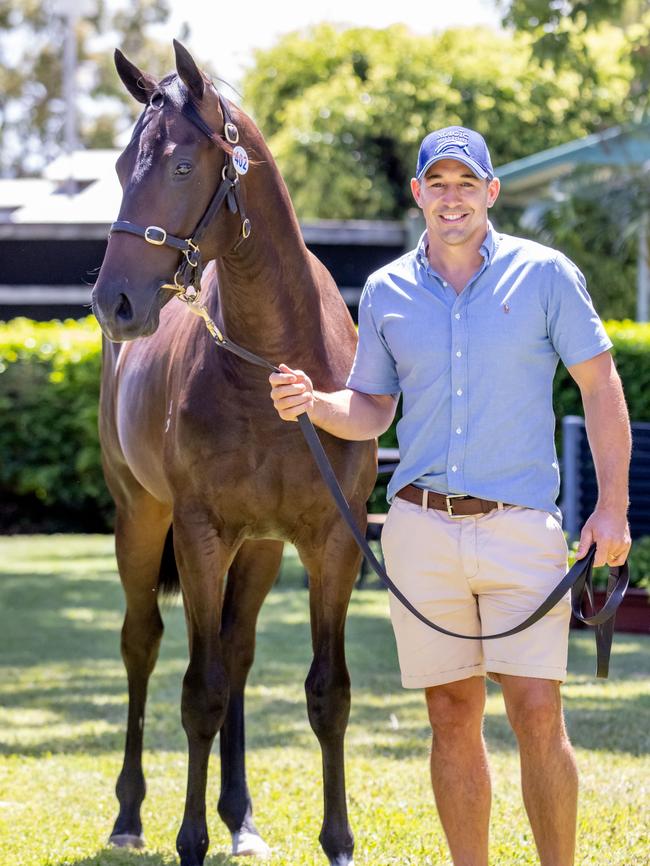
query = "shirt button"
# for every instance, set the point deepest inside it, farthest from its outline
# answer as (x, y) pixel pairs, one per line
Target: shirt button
(459, 354)
(454, 468)
(458, 430)
(459, 392)
(445, 284)
(457, 316)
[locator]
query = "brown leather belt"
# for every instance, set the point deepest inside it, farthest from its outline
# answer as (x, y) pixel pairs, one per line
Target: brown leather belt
(455, 504)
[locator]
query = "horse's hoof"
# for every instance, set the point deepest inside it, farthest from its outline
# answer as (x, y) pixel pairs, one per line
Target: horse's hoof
(126, 840)
(246, 844)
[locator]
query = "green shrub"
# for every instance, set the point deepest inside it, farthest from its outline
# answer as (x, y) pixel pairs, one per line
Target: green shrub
(632, 353)
(49, 388)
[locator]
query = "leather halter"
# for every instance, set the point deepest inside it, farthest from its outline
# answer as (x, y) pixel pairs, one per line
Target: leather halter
(187, 279)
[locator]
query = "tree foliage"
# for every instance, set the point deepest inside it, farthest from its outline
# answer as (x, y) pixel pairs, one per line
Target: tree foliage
(344, 110)
(32, 35)
(560, 32)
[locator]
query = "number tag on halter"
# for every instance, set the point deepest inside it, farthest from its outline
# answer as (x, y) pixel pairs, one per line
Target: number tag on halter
(240, 159)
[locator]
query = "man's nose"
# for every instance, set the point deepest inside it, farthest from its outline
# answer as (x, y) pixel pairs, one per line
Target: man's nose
(451, 196)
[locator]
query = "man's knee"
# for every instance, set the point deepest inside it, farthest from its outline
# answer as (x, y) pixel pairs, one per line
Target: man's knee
(534, 708)
(456, 709)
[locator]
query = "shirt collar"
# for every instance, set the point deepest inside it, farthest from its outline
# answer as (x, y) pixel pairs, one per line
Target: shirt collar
(487, 247)
(489, 244)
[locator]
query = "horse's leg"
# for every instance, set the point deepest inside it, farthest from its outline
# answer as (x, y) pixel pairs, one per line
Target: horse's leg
(203, 558)
(250, 577)
(140, 533)
(332, 571)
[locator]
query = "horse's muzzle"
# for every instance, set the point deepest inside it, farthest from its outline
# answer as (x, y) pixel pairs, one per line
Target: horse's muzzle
(121, 318)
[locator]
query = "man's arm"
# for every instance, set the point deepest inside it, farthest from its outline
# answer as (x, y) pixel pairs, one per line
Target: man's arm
(347, 414)
(608, 431)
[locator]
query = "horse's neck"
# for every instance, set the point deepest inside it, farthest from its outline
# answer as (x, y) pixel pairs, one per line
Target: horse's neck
(270, 291)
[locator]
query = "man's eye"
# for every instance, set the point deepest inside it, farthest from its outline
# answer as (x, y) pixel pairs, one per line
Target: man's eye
(183, 168)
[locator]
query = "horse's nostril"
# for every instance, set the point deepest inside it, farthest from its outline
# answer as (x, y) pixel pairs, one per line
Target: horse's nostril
(124, 309)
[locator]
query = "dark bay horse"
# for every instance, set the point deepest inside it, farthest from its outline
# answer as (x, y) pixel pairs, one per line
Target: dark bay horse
(208, 481)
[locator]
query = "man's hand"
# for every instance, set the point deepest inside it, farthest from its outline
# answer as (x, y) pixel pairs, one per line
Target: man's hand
(611, 533)
(292, 393)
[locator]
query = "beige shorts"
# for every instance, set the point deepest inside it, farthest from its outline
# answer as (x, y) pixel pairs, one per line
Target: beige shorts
(473, 575)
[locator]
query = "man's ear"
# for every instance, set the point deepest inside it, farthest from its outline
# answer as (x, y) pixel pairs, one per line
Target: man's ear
(494, 187)
(415, 189)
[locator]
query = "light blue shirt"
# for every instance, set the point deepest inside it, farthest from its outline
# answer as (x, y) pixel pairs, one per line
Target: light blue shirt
(476, 369)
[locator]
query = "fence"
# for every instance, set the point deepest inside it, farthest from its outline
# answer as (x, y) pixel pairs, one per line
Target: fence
(579, 487)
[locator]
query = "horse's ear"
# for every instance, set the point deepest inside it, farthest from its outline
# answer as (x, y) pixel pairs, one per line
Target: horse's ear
(188, 71)
(139, 84)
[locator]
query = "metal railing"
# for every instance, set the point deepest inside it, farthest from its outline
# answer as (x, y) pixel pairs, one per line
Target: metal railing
(579, 487)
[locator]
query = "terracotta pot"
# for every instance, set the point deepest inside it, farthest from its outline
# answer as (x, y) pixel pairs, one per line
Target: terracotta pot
(632, 616)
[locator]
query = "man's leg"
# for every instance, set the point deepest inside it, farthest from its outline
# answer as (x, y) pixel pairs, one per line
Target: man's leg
(459, 768)
(549, 777)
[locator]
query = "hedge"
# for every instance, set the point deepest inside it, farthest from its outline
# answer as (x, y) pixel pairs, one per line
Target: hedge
(49, 388)
(49, 385)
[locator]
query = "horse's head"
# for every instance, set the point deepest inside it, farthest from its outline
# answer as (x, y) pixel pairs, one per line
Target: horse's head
(183, 152)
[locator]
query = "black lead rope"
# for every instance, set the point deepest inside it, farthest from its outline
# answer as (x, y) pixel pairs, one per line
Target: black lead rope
(578, 579)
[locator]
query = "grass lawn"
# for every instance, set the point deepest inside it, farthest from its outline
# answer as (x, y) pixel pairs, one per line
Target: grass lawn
(63, 710)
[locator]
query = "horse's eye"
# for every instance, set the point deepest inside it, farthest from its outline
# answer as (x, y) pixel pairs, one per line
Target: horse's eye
(183, 168)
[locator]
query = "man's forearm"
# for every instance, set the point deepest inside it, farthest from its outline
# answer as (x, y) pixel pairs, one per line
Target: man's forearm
(352, 415)
(608, 431)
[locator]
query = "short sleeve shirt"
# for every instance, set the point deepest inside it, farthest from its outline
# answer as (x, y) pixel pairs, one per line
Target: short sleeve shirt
(476, 369)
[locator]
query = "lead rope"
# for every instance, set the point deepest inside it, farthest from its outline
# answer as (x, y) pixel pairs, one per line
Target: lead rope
(578, 579)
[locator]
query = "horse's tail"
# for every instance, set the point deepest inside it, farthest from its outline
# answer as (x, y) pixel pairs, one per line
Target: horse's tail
(169, 583)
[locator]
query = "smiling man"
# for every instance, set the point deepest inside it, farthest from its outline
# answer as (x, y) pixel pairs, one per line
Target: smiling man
(469, 328)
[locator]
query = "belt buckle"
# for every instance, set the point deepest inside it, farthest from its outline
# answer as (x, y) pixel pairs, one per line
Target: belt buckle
(450, 505)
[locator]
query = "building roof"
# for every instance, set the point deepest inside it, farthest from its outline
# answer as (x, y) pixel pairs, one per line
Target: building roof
(617, 147)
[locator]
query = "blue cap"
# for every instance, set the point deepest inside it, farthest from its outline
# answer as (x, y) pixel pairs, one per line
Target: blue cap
(456, 142)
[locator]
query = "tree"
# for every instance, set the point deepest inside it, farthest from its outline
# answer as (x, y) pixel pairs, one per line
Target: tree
(560, 32)
(32, 33)
(344, 110)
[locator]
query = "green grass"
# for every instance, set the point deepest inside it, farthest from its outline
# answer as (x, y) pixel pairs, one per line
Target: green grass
(63, 707)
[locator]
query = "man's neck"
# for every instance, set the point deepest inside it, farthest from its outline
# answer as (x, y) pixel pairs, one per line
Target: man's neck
(456, 263)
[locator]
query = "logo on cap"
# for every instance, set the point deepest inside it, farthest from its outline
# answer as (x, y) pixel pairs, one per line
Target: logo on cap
(453, 138)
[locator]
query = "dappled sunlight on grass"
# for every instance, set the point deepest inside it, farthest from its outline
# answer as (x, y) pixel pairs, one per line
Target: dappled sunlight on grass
(62, 723)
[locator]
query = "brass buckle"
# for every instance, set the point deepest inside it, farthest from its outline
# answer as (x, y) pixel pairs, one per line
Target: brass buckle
(450, 506)
(232, 133)
(246, 228)
(156, 241)
(192, 254)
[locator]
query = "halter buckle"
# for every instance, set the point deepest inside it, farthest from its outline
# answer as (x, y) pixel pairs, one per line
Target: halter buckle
(155, 235)
(226, 176)
(231, 132)
(193, 254)
(246, 228)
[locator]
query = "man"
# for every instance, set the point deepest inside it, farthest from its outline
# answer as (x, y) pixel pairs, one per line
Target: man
(469, 327)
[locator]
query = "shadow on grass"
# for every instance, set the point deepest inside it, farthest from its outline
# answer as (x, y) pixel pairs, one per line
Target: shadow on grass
(42, 624)
(596, 719)
(125, 857)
